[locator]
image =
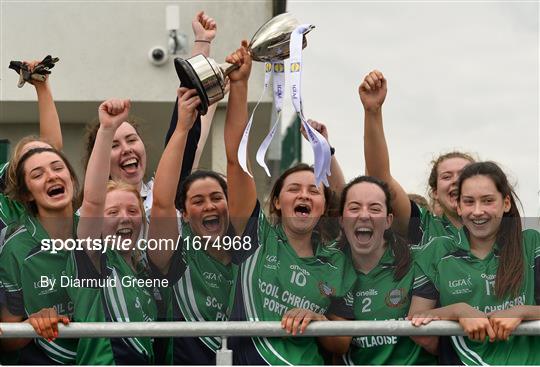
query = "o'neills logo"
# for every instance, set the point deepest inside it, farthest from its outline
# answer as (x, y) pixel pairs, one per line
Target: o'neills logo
(295, 66)
(279, 68)
(326, 289)
(396, 298)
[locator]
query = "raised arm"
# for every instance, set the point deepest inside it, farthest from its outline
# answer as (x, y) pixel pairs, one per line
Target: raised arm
(336, 179)
(372, 93)
(241, 186)
(112, 113)
(163, 222)
(204, 31)
(49, 122)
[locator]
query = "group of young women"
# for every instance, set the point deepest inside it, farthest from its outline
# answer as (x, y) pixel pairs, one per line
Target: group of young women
(469, 260)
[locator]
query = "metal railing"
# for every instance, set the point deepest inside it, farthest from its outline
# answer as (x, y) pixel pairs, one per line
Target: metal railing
(247, 328)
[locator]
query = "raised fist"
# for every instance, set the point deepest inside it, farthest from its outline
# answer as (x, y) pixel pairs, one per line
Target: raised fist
(113, 112)
(204, 27)
(372, 91)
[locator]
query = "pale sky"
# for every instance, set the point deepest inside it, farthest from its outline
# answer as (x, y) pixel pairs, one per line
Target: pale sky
(461, 75)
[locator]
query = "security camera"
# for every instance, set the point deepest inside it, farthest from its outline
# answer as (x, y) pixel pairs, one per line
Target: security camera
(158, 55)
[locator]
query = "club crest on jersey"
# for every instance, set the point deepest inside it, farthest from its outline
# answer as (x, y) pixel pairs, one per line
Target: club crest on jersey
(396, 298)
(272, 262)
(326, 289)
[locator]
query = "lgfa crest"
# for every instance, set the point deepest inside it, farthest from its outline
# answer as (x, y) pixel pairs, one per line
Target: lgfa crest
(396, 298)
(326, 289)
(279, 67)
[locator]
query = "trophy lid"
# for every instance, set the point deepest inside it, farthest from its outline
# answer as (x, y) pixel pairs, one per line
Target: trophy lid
(271, 41)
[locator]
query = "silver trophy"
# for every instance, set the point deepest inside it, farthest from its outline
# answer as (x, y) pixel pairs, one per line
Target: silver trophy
(270, 42)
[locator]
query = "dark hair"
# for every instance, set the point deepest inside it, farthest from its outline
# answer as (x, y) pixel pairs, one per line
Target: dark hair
(433, 174)
(90, 138)
(327, 228)
(509, 237)
(399, 246)
(18, 189)
(195, 176)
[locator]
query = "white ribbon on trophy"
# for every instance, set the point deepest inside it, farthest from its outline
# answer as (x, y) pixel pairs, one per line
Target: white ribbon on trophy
(242, 148)
(321, 148)
(278, 81)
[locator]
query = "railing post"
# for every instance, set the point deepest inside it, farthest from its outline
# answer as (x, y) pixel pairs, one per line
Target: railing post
(224, 355)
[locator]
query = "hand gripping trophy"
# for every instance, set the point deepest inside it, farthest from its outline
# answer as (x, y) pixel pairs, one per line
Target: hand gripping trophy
(270, 42)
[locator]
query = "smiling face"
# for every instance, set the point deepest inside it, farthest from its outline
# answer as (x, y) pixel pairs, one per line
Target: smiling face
(128, 156)
(206, 208)
(48, 181)
(301, 202)
(365, 218)
(447, 191)
(481, 207)
(122, 215)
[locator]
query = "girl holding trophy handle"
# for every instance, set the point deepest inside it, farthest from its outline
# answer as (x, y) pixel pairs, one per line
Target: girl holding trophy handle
(290, 266)
(128, 156)
(204, 242)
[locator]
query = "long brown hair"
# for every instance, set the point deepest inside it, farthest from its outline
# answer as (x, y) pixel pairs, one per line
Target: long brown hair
(18, 190)
(402, 255)
(509, 237)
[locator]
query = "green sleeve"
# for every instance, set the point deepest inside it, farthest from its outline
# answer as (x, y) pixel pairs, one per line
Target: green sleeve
(10, 277)
(426, 276)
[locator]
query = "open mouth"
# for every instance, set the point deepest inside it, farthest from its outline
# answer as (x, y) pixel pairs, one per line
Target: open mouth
(211, 223)
(302, 210)
(453, 194)
(56, 190)
(130, 165)
(124, 232)
(480, 222)
(363, 234)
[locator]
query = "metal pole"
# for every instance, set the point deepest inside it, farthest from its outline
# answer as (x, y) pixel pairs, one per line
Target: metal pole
(247, 328)
(224, 356)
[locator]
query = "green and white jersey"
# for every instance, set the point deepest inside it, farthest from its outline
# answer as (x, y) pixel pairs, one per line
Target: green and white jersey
(201, 292)
(424, 226)
(378, 296)
(11, 213)
(446, 270)
(3, 175)
(274, 279)
(31, 280)
(106, 296)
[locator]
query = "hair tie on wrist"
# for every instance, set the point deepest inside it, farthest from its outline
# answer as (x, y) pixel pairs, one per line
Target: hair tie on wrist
(206, 41)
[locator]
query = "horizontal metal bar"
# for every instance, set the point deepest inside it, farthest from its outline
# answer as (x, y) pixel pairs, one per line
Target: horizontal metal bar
(247, 328)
